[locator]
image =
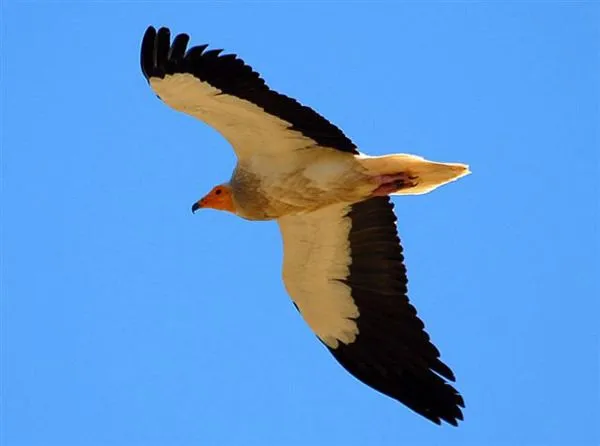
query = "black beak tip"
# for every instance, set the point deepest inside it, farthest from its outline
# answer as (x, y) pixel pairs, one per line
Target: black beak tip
(195, 207)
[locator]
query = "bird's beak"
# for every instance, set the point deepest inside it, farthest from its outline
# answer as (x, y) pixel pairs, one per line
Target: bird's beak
(197, 205)
(219, 200)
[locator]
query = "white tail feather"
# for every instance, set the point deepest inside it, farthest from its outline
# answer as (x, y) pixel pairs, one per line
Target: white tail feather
(428, 175)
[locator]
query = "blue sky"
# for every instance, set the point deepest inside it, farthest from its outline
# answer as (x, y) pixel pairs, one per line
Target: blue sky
(128, 321)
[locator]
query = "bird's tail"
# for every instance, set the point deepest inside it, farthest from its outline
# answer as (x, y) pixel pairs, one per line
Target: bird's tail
(424, 176)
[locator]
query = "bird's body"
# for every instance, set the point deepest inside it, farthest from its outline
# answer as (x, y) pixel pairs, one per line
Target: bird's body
(343, 263)
(267, 187)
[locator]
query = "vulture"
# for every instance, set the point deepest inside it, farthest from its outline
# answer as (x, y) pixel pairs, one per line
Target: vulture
(343, 264)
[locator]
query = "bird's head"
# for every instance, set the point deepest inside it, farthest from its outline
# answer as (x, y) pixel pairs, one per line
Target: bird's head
(220, 198)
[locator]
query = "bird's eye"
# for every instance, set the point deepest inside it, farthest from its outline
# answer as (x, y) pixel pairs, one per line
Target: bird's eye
(218, 192)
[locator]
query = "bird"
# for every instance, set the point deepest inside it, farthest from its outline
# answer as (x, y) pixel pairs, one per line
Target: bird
(343, 262)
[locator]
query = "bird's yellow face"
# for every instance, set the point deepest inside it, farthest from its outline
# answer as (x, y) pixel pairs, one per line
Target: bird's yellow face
(220, 198)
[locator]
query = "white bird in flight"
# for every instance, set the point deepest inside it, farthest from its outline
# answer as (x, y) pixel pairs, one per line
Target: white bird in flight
(343, 263)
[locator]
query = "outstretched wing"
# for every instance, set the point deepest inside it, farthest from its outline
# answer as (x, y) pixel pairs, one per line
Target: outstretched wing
(228, 95)
(343, 268)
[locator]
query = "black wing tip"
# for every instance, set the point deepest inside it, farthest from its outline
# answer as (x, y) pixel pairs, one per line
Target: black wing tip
(441, 404)
(147, 52)
(421, 390)
(158, 56)
(150, 30)
(452, 414)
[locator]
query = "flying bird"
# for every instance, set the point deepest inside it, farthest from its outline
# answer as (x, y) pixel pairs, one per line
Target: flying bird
(343, 264)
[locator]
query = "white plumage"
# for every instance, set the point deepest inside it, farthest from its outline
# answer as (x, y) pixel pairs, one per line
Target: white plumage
(343, 263)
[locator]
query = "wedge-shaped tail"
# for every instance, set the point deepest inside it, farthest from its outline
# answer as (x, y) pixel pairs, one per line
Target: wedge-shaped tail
(424, 175)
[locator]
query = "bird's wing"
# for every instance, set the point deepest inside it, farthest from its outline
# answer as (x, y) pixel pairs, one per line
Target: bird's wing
(228, 95)
(344, 269)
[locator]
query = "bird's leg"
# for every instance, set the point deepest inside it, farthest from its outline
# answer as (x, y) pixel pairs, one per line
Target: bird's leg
(388, 184)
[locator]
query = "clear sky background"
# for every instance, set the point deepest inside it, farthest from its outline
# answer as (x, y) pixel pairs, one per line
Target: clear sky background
(128, 321)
